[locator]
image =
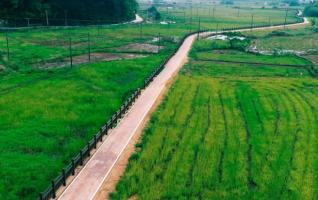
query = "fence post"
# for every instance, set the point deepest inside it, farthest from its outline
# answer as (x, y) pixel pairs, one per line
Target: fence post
(71, 56)
(8, 49)
(88, 149)
(81, 157)
(95, 141)
(53, 190)
(89, 47)
(73, 167)
(64, 177)
(40, 196)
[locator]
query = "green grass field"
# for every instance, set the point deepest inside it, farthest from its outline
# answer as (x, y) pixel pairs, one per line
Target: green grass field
(300, 40)
(230, 131)
(48, 115)
(213, 17)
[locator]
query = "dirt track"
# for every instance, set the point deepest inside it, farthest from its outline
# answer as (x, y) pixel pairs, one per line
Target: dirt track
(102, 171)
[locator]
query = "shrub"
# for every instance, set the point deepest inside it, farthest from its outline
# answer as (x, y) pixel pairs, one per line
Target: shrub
(278, 33)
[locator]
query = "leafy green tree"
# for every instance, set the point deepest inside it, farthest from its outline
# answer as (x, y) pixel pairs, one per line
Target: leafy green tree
(311, 10)
(114, 10)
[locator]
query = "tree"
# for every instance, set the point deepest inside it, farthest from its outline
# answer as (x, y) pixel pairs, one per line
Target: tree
(227, 2)
(114, 10)
(154, 13)
(292, 2)
(311, 10)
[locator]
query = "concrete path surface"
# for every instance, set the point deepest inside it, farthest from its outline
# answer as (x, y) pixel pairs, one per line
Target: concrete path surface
(89, 180)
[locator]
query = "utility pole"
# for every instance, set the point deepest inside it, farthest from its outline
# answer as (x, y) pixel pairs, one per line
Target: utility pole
(213, 12)
(199, 28)
(285, 18)
(269, 21)
(28, 21)
(190, 24)
(71, 56)
(238, 12)
(89, 47)
(191, 11)
(65, 17)
(252, 22)
(47, 18)
(141, 30)
(197, 12)
(159, 42)
(8, 49)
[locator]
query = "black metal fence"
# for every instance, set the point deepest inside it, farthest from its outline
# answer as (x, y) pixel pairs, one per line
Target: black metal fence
(79, 49)
(85, 153)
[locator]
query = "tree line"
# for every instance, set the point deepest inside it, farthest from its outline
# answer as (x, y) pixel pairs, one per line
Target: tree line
(113, 10)
(311, 10)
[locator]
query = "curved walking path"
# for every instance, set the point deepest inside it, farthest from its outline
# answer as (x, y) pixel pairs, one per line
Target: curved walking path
(88, 182)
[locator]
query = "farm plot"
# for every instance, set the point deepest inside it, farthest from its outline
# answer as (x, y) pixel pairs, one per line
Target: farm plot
(302, 42)
(218, 17)
(230, 131)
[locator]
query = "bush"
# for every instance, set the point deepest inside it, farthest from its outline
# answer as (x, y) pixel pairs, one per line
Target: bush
(278, 33)
(240, 45)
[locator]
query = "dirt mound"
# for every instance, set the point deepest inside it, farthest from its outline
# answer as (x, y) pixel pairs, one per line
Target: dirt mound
(95, 57)
(312, 57)
(140, 47)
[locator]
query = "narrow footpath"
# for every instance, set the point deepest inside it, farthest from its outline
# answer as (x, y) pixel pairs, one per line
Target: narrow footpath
(91, 178)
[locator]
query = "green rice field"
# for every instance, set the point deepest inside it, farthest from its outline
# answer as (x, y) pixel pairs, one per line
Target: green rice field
(230, 131)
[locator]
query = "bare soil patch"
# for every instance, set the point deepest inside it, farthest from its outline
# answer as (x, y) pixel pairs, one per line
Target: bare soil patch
(82, 59)
(140, 47)
(313, 58)
(2, 68)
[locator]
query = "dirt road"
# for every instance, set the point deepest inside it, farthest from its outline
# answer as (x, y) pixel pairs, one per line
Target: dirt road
(89, 181)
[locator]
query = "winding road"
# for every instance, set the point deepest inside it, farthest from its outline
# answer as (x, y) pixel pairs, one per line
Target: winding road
(90, 179)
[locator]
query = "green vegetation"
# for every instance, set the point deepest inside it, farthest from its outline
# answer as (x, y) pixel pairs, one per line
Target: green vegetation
(47, 120)
(218, 17)
(116, 10)
(48, 112)
(230, 131)
(298, 40)
(302, 42)
(311, 10)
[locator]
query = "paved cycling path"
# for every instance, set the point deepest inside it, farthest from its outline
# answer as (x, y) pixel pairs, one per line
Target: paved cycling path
(88, 182)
